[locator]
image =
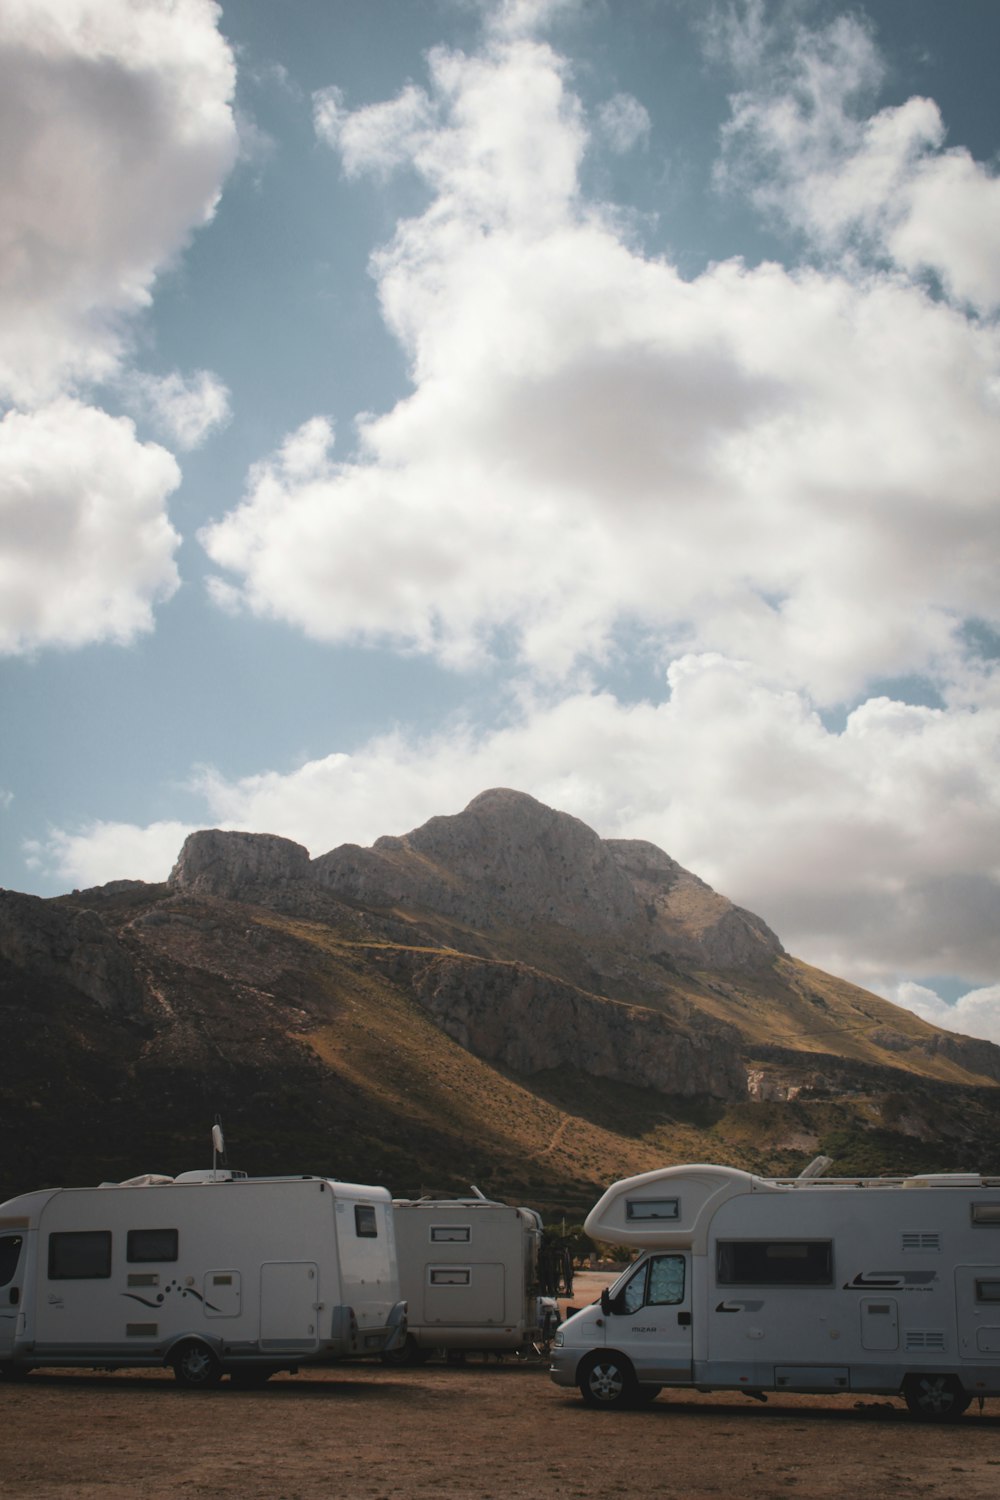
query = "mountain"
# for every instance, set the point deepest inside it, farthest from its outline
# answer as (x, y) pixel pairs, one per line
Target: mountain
(498, 997)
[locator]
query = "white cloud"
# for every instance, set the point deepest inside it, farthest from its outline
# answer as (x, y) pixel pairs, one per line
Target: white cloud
(185, 409)
(102, 852)
(117, 133)
(87, 546)
(623, 122)
(882, 182)
(380, 137)
(793, 466)
(974, 1014)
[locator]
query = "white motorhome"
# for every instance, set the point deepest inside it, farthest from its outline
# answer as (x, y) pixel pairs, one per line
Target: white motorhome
(211, 1273)
(882, 1285)
(468, 1271)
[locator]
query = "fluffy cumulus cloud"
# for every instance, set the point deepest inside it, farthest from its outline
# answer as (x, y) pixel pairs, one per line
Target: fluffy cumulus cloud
(87, 547)
(974, 1014)
(184, 409)
(882, 182)
(117, 133)
(109, 851)
(797, 465)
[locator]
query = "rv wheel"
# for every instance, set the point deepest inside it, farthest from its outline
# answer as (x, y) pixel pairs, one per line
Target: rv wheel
(196, 1366)
(935, 1398)
(607, 1380)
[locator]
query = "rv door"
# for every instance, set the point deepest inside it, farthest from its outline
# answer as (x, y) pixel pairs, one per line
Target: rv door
(649, 1318)
(11, 1281)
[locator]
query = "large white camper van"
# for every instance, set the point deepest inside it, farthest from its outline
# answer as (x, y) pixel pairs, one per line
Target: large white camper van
(468, 1270)
(883, 1285)
(211, 1273)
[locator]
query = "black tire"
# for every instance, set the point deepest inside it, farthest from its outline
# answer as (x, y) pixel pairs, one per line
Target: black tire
(935, 1398)
(14, 1372)
(607, 1380)
(645, 1395)
(196, 1366)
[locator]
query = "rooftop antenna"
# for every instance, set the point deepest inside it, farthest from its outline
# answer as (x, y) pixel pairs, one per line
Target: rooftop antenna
(218, 1143)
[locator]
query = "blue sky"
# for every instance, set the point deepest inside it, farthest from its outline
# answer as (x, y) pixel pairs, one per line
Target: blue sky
(594, 397)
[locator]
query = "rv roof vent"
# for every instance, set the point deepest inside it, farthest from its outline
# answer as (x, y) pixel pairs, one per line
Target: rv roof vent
(816, 1168)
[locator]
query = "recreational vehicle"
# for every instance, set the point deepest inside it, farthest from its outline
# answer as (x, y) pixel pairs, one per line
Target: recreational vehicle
(468, 1270)
(211, 1273)
(883, 1286)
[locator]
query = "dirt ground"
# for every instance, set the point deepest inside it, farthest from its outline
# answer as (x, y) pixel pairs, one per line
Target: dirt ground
(483, 1430)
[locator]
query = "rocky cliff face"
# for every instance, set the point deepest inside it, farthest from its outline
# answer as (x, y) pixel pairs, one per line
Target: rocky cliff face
(213, 863)
(531, 1023)
(63, 945)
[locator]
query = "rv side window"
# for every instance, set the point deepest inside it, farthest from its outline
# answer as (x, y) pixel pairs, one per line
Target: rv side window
(988, 1291)
(10, 1250)
(80, 1255)
(365, 1222)
(458, 1233)
(985, 1213)
(450, 1276)
(151, 1244)
(774, 1262)
(659, 1281)
(652, 1208)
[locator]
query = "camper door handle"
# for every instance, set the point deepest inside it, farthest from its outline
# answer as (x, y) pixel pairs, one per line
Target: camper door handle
(15, 1295)
(684, 1319)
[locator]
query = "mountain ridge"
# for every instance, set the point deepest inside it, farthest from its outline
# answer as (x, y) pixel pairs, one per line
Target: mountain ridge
(450, 1002)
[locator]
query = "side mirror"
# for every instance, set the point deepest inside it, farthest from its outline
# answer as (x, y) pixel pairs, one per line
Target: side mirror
(606, 1302)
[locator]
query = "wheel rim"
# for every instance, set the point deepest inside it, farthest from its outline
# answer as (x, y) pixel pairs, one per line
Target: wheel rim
(606, 1382)
(197, 1366)
(934, 1395)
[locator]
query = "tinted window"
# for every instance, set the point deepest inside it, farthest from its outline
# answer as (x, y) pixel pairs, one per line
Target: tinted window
(83, 1255)
(775, 1262)
(459, 1232)
(365, 1223)
(10, 1250)
(151, 1244)
(652, 1208)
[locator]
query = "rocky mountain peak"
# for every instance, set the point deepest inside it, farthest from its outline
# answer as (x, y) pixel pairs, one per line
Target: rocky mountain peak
(217, 863)
(508, 860)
